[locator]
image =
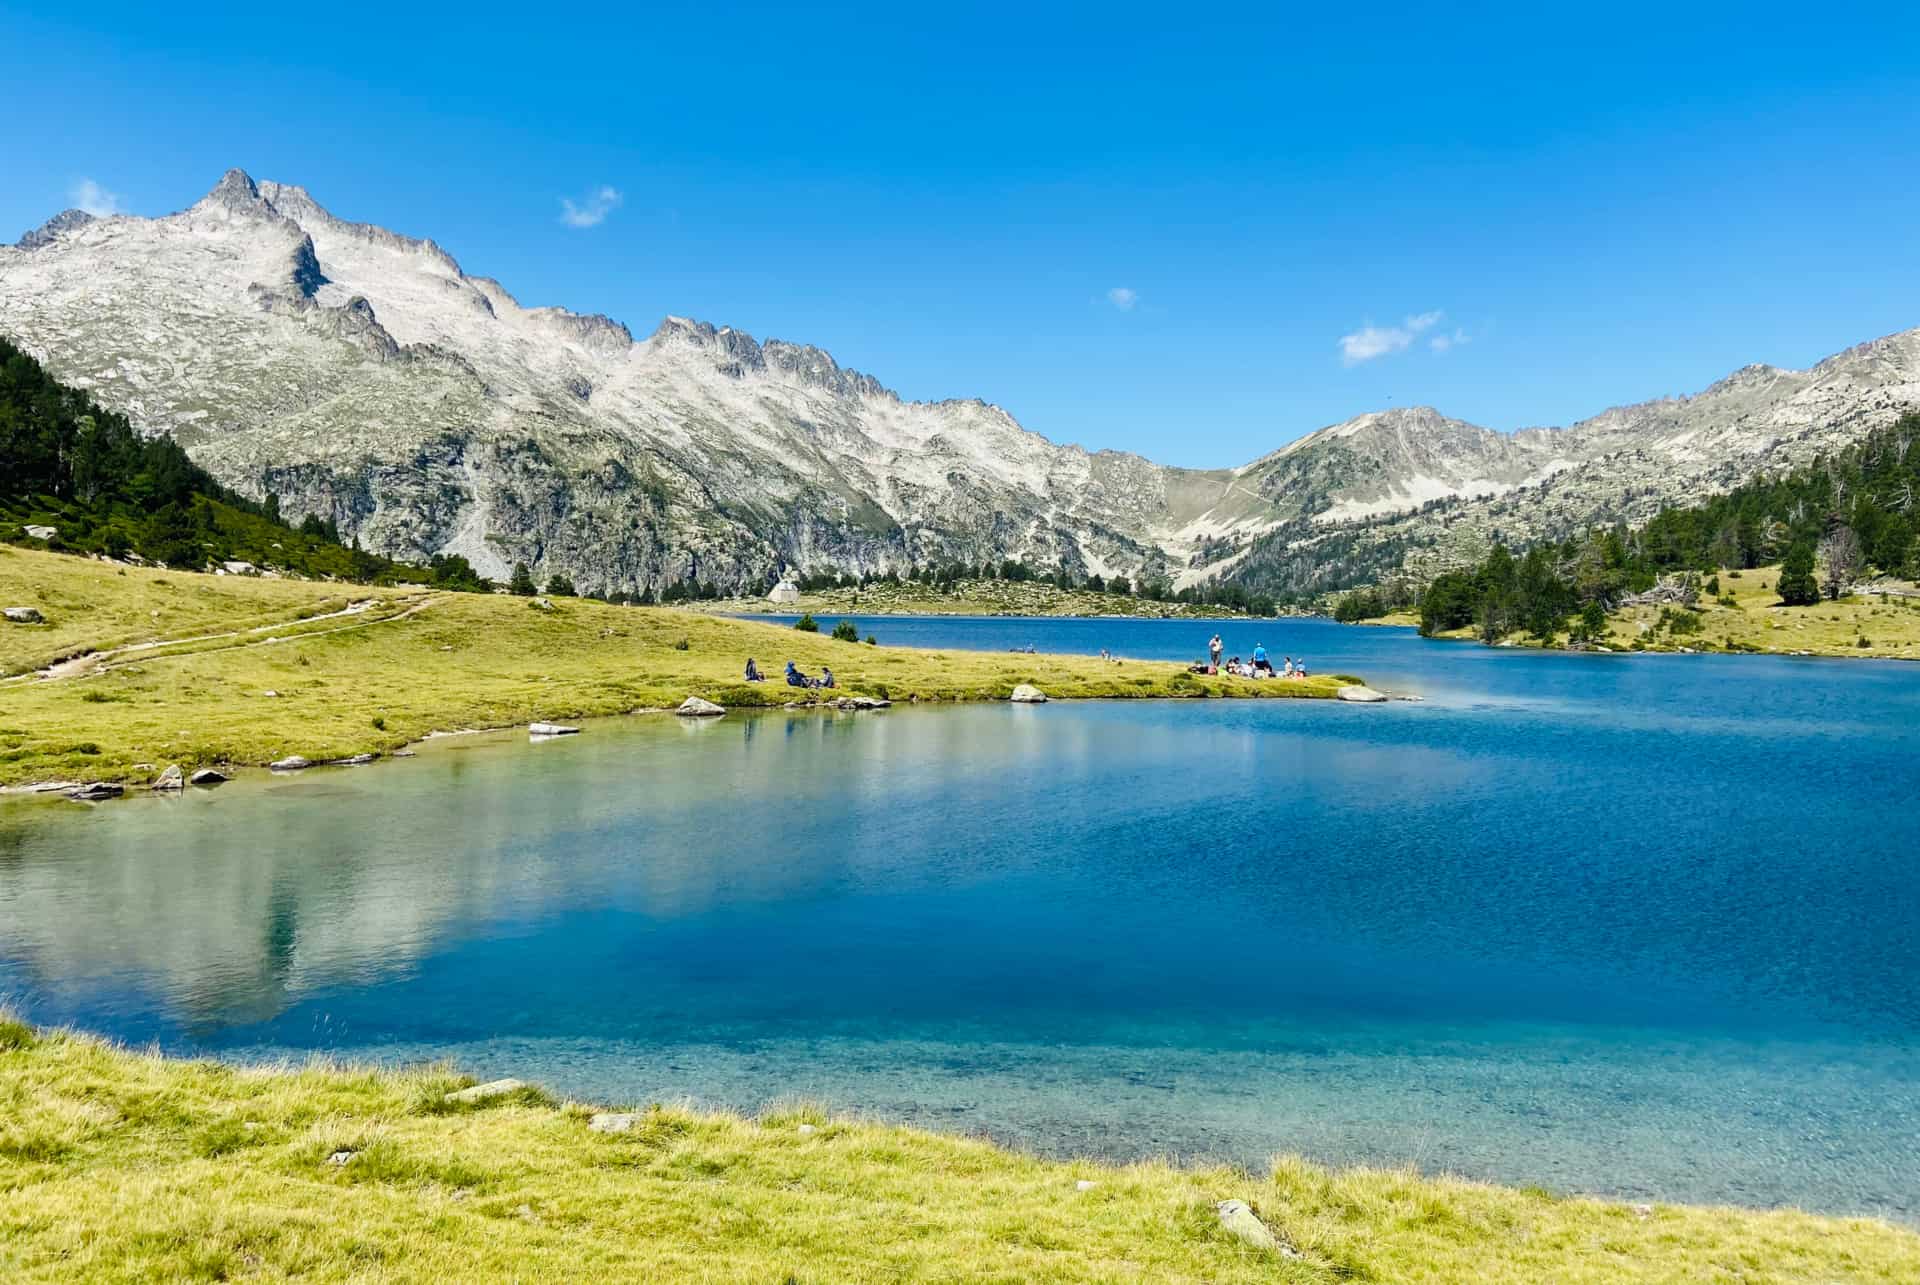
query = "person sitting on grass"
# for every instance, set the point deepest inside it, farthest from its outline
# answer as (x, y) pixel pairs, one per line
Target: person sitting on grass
(1300, 668)
(826, 677)
(753, 672)
(795, 678)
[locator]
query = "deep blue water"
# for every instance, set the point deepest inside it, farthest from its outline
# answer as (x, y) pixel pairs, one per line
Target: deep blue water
(1644, 925)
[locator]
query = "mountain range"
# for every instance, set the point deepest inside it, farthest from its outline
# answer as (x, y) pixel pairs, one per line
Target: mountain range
(364, 376)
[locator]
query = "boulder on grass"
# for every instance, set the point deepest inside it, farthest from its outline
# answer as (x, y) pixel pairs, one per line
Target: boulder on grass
(696, 707)
(486, 1092)
(1028, 694)
(25, 616)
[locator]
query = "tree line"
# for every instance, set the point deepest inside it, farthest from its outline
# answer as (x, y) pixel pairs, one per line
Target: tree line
(69, 464)
(1828, 523)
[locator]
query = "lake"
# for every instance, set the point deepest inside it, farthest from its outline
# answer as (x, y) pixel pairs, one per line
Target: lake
(1640, 925)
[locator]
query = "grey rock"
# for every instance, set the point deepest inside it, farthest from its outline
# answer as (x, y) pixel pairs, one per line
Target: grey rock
(486, 1092)
(207, 776)
(1028, 694)
(24, 615)
(342, 1157)
(35, 532)
(551, 729)
(1361, 694)
(807, 1130)
(291, 763)
(94, 791)
(171, 779)
(1241, 1222)
(697, 707)
(1085, 1184)
(356, 760)
(613, 1121)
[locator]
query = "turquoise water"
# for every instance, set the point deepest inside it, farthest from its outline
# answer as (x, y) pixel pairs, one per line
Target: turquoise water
(1625, 924)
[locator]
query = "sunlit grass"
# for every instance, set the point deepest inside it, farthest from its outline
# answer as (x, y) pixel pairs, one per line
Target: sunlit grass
(375, 682)
(126, 1166)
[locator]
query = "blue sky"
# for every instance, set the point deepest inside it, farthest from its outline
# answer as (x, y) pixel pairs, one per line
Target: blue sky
(1194, 239)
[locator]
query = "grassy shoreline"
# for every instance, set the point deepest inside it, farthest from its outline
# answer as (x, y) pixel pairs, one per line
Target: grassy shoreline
(229, 671)
(121, 1165)
(1746, 618)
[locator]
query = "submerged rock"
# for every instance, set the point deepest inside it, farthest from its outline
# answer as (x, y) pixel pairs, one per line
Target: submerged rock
(354, 761)
(486, 1092)
(171, 779)
(291, 763)
(551, 729)
(1028, 694)
(95, 790)
(207, 776)
(1361, 693)
(696, 707)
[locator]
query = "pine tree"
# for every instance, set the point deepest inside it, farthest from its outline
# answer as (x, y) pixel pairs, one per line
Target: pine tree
(522, 581)
(1797, 586)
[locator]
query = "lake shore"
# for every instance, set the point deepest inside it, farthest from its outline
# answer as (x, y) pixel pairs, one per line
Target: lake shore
(152, 669)
(128, 1164)
(1744, 617)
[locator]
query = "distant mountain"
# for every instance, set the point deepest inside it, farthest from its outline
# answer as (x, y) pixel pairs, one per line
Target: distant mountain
(363, 377)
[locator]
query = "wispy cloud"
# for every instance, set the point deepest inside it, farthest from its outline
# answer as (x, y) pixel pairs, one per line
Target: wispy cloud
(1123, 298)
(1371, 341)
(591, 212)
(1442, 342)
(96, 200)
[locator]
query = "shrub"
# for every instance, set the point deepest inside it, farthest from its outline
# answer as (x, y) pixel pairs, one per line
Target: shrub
(807, 624)
(522, 581)
(560, 587)
(683, 645)
(846, 632)
(379, 723)
(872, 641)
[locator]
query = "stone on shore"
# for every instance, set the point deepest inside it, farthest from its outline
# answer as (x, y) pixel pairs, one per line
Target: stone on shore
(697, 707)
(486, 1092)
(1362, 694)
(291, 763)
(95, 790)
(207, 776)
(1240, 1221)
(551, 729)
(1028, 694)
(171, 779)
(613, 1121)
(25, 616)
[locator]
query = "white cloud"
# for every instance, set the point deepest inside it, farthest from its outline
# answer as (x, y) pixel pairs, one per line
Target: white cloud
(1440, 343)
(1372, 341)
(1123, 298)
(593, 211)
(95, 200)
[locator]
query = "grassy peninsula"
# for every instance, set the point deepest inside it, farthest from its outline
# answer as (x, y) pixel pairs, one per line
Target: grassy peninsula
(121, 1165)
(164, 667)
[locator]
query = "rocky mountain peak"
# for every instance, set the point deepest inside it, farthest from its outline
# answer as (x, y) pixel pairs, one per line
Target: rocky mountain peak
(236, 191)
(50, 231)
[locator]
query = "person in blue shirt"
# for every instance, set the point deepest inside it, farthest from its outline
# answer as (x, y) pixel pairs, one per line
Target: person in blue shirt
(795, 678)
(1260, 662)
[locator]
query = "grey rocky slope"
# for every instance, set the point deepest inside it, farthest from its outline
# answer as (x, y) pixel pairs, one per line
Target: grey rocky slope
(362, 375)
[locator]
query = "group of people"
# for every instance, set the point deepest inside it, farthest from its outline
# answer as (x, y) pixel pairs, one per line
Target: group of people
(1257, 666)
(795, 678)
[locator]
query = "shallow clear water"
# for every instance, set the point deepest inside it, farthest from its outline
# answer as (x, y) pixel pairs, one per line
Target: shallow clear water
(1638, 925)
